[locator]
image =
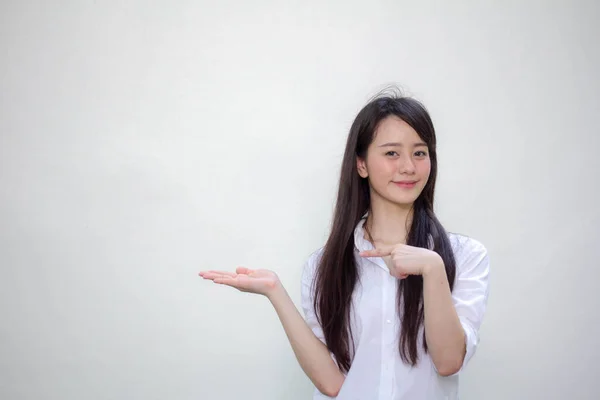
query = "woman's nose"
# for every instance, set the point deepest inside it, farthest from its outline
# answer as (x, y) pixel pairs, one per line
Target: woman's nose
(407, 165)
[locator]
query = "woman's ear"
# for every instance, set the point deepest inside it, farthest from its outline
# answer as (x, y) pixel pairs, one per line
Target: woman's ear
(361, 166)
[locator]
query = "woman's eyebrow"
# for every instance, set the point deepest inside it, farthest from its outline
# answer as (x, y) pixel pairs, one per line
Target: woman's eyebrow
(397, 144)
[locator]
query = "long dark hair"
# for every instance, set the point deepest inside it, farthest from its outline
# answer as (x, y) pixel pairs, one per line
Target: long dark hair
(337, 274)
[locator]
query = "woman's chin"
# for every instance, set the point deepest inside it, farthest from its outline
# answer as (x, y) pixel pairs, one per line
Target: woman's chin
(403, 201)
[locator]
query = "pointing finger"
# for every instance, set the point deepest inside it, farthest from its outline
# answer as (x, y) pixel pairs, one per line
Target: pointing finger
(380, 252)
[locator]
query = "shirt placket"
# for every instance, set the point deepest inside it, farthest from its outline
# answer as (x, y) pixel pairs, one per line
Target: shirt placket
(387, 360)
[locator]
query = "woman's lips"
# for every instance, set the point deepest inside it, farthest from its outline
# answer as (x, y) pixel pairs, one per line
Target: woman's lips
(406, 184)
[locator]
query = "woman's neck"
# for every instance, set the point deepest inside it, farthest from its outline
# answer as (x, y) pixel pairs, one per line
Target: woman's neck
(387, 223)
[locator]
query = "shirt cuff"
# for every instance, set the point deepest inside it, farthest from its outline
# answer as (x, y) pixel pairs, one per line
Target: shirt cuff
(471, 341)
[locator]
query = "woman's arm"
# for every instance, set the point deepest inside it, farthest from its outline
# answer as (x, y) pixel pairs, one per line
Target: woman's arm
(452, 320)
(312, 355)
(465, 306)
(443, 330)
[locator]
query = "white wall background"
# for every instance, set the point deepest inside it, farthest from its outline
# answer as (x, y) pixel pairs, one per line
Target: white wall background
(141, 142)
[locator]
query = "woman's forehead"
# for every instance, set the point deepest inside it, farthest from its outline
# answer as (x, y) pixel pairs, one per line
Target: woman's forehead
(393, 130)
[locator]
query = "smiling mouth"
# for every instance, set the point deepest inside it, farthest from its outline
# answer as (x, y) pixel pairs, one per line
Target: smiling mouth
(406, 184)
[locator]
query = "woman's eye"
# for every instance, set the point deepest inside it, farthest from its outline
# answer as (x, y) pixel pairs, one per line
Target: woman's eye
(391, 153)
(420, 153)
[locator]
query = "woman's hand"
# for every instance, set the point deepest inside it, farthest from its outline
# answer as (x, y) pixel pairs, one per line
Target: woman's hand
(260, 281)
(403, 260)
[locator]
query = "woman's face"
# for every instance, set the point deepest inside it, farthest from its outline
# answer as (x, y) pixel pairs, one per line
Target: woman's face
(397, 163)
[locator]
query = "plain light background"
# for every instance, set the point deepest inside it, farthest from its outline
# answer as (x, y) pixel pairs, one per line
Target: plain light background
(142, 142)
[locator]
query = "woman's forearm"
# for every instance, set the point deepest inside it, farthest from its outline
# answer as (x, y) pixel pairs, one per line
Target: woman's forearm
(443, 331)
(312, 354)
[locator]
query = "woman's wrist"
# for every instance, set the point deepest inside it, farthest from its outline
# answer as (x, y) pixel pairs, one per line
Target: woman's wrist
(275, 293)
(434, 267)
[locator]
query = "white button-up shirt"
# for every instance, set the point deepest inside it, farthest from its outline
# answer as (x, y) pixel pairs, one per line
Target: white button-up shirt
(377, 371)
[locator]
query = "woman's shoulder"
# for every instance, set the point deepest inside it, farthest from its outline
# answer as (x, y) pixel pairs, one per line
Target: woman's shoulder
(315, 256)
(462, 242)
(308, 276)
(467, 250)
(311, 263)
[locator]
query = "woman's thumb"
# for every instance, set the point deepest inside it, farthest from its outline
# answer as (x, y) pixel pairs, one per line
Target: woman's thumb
(243, 270)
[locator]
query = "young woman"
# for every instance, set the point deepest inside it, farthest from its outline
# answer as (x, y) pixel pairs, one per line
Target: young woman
(392, 302)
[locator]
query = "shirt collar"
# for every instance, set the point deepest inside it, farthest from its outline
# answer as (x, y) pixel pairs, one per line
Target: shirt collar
(360, 242)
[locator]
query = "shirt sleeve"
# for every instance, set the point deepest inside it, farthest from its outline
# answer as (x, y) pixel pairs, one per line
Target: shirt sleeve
(307, 298)
(471, 289)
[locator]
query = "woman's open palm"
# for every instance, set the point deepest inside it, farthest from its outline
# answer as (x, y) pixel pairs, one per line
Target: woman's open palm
(260, 281)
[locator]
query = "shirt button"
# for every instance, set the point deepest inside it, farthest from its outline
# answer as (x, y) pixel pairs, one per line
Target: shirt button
(389, 321)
